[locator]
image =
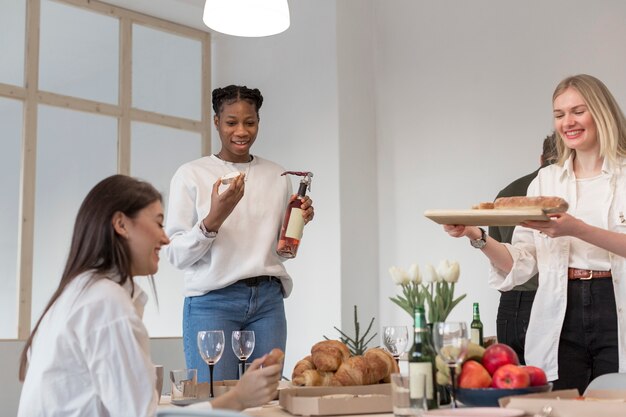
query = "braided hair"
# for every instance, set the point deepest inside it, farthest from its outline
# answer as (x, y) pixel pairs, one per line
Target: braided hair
(233, 93)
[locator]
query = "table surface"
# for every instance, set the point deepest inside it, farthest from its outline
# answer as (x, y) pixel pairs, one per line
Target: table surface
(272, 409)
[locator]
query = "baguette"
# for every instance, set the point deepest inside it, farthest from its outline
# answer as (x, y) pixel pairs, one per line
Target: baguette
(545, 203)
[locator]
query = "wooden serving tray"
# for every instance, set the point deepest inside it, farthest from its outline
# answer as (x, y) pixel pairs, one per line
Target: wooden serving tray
(491, 217)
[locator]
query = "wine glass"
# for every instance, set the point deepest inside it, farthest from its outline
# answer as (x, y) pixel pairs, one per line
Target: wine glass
(396, 339)
(243, 346)
(450, 340)
(211, 347)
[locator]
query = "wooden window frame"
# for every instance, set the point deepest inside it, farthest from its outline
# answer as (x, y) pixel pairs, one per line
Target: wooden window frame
(32, 97)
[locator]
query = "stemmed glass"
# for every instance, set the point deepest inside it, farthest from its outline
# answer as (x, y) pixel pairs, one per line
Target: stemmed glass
(396, 339)
(243, 346)
(450, 340)
(211, 347)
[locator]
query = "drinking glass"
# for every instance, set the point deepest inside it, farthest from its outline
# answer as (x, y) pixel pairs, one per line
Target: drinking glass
(396, 339)
(450, 340)
(211, 347)
(243, 346)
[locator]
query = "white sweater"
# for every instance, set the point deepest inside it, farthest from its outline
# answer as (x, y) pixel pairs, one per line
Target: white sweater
(245, 245)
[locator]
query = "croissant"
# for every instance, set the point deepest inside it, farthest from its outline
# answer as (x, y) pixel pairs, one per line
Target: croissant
(313, 378)
(302, 365)
(354, 371)
(329, 354)
(381, 363)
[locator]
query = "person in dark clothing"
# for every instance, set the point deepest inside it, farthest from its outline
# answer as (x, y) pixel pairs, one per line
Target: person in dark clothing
(514, 308)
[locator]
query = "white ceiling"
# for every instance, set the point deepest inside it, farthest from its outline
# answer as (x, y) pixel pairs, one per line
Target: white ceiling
(186, 12)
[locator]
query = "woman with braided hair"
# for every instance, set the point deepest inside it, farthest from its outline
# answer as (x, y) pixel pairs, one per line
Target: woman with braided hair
(224, 238)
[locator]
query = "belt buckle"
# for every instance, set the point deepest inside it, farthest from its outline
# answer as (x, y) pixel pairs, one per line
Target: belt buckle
(589, 277)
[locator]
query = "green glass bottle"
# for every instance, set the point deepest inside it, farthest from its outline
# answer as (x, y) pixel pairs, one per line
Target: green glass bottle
(422, 361)
(477, 327)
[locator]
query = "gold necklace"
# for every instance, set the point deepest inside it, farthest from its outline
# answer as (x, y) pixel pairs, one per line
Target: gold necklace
(225, 162)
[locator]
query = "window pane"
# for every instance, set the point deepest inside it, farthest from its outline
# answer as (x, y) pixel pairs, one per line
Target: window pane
(166, 73)
(156, 154)
(12, 37)
(75, 150)
(78, 52)
(10, 165)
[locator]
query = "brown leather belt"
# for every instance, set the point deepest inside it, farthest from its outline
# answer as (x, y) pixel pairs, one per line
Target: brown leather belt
(584, 274)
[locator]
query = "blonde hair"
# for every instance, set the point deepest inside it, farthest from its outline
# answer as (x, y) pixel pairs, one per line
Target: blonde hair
(606, 113)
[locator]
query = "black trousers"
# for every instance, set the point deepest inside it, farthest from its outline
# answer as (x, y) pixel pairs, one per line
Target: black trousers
(512, 320)
(588, 345)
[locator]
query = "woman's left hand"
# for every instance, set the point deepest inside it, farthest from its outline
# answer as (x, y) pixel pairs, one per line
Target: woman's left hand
(307, 208)
(560, 224)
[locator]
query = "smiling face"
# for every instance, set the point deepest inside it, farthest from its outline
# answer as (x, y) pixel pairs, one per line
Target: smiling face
(574, 122)
(237, 124)
(145, 236)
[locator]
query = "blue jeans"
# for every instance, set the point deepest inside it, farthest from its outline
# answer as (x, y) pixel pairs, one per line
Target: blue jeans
(236, 307)
(588, 343)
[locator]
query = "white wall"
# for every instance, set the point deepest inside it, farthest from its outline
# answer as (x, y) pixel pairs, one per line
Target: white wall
(463, 102)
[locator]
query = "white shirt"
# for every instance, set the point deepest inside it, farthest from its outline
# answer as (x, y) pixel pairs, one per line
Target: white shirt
(245, 245)
(534, 252)
(91, 355)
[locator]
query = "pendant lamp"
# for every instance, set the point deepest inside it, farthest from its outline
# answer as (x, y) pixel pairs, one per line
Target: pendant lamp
(251, 18)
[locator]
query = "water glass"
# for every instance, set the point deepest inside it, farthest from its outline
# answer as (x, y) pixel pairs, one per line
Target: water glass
(405, 404)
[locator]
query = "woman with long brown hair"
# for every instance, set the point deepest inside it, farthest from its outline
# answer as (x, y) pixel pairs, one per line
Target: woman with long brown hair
(88, 354)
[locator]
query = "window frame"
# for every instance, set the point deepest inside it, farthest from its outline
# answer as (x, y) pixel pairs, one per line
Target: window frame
(32, 97)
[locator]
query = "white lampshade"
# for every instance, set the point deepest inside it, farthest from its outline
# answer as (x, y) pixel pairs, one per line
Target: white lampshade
(251, 18)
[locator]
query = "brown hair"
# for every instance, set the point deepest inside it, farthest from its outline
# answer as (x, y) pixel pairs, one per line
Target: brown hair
(95, 244)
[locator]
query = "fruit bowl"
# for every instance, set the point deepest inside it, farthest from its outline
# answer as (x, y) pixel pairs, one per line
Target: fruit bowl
(488, 397)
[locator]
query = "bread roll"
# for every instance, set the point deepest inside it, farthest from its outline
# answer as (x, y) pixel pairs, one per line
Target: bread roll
(313, 378)
(305, 364)
(354, 371)
(488, 205)
(547, 204)
(381, 363)
(275, 356)
(329, 354)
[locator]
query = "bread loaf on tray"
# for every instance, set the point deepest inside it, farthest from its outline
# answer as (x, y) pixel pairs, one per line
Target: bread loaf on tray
(545, 203)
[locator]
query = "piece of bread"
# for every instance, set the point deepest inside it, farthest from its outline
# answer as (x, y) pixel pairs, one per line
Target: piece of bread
(304, 364)
(354, 371)
(545, 203)
(230, 177)
(381, 363)
(313, 378)
(487, 205)
(328, 355)
(276, 356)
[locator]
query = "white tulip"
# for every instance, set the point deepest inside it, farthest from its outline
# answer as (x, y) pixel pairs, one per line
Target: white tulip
(399, 276)
(449, 271)
(430, 275)
(414, 274)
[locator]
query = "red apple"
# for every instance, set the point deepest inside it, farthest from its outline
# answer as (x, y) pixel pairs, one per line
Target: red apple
(537, 376)
(511, 376)
(497, 355)
(474, 375)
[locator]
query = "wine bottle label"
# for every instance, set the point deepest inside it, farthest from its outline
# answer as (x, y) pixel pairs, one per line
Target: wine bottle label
(296, 224)
(416, 387)
(475, 336)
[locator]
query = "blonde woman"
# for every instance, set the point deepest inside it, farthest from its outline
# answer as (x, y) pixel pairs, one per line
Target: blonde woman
(575, 332)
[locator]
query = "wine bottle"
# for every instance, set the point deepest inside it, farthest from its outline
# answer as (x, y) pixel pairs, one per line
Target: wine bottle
(477, 327)
(293, 223)
(422, 361)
